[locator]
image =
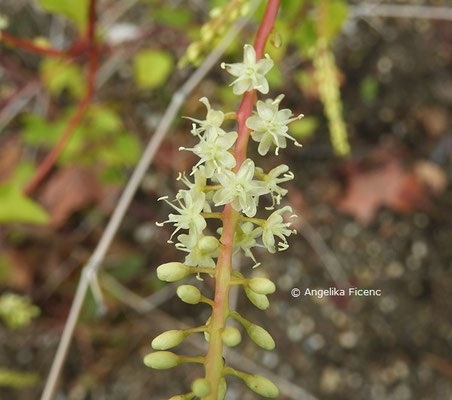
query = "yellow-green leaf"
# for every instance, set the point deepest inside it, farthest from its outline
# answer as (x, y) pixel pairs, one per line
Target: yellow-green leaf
(15, 207)
(75, 10)
(152, 68)
(59, 75)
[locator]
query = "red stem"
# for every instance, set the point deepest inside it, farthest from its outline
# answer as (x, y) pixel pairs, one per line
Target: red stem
(30, 46)
(93, 61)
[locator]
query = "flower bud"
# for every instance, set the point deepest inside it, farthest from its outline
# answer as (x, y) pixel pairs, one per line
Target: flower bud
(168, 339)
(193, 51)
(161, 360)
(262, 386)
(189, 294)
(261, 285)
(260, 336)
(201, 387)
(208, 244)
(222, 388)
(231, 336)
(172, 272)
(259, 300)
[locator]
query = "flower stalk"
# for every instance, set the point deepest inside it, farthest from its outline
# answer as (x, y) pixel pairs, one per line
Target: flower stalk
(225, 177)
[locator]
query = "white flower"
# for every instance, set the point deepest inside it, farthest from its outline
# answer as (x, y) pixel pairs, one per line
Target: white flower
(272, 180)
(245, 239)
(200, 180)
(212, 123)
(269, 125)
(275, 226)
(189, 217)
(199, 254)
(213, 151)
(250, 74)
(240, 189)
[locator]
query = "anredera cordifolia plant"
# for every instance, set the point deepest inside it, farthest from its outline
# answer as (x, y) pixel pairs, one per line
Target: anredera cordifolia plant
(227, 177)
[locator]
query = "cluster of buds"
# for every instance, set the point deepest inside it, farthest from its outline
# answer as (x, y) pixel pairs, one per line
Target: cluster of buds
(221, 19)
(326, 75)
(218, 180)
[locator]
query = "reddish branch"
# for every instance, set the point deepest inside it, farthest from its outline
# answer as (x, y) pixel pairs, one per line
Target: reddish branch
(30, 46)
(93, 61)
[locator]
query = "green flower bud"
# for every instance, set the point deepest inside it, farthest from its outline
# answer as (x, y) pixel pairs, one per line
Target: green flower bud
(208, 244)
(201, 387)
(262, 386)
(189, 294)
(193, 51)
(260, 336)
(261, 285)
(161, 360)
(222, 388)
(172, 272)
(231, 336)
(168, 339)
(259, 300)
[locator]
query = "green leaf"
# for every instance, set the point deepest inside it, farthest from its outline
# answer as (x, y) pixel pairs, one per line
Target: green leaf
(101, 119)
(75, 10)
(303, 128)
(15, 207)
(124, 150)
(23, 173)
(58, 76)
(152, 68)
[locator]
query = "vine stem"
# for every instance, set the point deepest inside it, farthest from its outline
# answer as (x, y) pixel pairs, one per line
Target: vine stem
(93, 62)
(214, 363)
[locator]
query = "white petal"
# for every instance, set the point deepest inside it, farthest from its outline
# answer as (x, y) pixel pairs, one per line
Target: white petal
(249, 55)
(255, 123)
(241, 86)
(264, 65)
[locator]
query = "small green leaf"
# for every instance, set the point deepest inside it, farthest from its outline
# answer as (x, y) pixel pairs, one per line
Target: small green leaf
(152, 68)
(124, 150)
(59, 75)
(15, 207)
(100, 118)
(75, 10)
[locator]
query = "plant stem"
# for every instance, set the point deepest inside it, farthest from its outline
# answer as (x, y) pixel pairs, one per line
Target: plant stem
(93, 61)
(30, 46)
(214, 363)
